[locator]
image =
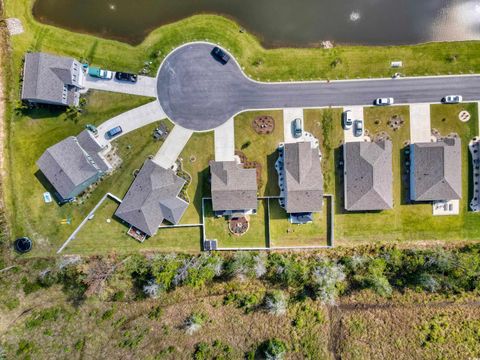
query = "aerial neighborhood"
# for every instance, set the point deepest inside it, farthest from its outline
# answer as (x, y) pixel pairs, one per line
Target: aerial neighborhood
(157, 194)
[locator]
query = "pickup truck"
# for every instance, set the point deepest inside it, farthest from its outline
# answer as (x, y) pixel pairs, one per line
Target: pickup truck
(100, 73)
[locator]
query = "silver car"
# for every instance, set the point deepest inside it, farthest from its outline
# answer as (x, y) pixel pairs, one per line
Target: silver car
(358, 130)
(383, 101)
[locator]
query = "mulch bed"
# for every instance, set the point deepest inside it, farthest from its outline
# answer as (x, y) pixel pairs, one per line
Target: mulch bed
(263, 125)
(238, 225)
(251, 165)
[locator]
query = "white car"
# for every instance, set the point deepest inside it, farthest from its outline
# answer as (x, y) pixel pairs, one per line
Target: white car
(347, 119)
(452, 99)
(383, 101)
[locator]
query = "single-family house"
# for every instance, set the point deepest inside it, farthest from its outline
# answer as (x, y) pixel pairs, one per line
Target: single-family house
(73, 164)
(152, 199)
(302, 179)
(234, 188)
(368, 175)
(51, 79)
(436, 170)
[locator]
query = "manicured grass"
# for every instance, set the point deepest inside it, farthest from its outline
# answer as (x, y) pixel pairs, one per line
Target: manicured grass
(326, 126)
(409, 222)
(196, 157)
(283, 233)
(33, 133)
(256, 236)
(99, 236)
(261, 148)
(276, 64)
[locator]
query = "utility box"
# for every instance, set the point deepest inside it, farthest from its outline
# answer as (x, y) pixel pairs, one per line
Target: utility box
(396, 64)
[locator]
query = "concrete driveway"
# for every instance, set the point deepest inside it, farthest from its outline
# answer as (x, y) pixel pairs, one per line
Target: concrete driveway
(199, 93)
(131, 120)
(172, 147)
(420, 130)
(145, 85)
(225, 141)
(289, 115)
(357, 114)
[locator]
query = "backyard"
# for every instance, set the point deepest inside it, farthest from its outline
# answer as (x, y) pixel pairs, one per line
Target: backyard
(105, 233)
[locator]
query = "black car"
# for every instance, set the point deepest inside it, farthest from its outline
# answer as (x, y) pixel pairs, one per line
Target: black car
(220, 55)
(123, 76)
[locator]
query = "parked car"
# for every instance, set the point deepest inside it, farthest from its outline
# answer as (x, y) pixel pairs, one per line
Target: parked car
(123, 76)
(452, 99)
(92, 128)
(347, 119)
(297, 128)
(220, 55)
(358, 128)
(114, 132)
(100, 73)
(383, 101)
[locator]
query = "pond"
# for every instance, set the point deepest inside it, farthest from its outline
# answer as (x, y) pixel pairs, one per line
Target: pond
(278, 22)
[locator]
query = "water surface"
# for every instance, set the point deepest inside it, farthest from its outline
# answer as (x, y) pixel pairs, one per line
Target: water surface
(278, 22)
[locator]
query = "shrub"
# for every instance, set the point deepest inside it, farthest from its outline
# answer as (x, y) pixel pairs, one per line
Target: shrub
(194, 323)
(276, 303)
(273, 349)
(288, 271)
(151, 289)
(242, 265)
(326, 278)
(246, 301)
(156, 313)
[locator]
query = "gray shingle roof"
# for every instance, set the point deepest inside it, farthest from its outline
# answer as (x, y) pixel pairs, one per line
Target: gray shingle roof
(233, 187)
(436, 170)
(66, 166)
(71, 163)
(153, 198)
(93, 148)
(49, 79)
(303, 178)
(368, 175)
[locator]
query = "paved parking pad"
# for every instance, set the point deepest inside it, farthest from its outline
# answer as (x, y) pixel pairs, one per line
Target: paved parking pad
(225, 141)
(420, 130)
(131, 120)
(172, 147)
(289, 115)
(145, 85)
(357, 114)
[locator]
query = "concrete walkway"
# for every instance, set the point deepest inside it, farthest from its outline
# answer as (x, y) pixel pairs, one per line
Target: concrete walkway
(131, 120)
(357, 114)
(145, 85)
(172, 147)
(225, 141)
(420, 130)
(289, 115)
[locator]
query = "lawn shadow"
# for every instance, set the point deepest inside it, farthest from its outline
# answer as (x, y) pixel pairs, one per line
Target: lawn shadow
(339, 206)
(404, 176)
(271, 187)
(202, 190)
(42, 112)
(49, 187)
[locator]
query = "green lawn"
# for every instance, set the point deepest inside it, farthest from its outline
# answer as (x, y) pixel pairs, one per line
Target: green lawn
(326, 126)
(262, 148)
(256, 236)
(283, 233)
(40, 129)
(273, 64)
(196, 157)
(100, 236)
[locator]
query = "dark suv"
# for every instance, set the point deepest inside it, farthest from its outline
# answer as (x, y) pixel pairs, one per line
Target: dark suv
(220, 55)
(123, 76)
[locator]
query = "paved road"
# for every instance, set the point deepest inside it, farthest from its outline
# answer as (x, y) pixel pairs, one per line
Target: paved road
(199, 93)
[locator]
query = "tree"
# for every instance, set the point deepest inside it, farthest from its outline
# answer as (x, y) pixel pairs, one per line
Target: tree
(276, 303)
(273, 349)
